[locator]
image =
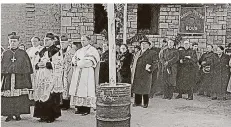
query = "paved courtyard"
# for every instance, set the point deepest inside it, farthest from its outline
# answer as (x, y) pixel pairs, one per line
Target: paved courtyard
(201, 112)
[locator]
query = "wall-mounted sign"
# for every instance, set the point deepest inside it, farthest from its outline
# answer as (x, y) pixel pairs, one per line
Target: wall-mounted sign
(192, 20)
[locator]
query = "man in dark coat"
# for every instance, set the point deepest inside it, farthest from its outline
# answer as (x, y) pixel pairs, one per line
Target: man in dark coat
(186, 71)
(222, 75)
(104, 66)
(145, 62)
(207, 62)
(169, 58)
(154, 87)
(16, 70)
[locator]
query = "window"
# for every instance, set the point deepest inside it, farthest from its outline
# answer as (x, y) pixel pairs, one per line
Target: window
(148, 18)
(100, 18)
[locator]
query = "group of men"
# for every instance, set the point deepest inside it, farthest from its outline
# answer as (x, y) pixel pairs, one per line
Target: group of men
(60, 72)
(179, 68)
(54, 76)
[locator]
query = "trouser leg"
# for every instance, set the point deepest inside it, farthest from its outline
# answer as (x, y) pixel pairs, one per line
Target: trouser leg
(146, 99)
(170, 92)
(86, 109)
(165, 90)
(190, 94)
(138, 99)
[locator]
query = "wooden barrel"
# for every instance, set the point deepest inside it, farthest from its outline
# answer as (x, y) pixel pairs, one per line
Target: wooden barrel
(113, 105)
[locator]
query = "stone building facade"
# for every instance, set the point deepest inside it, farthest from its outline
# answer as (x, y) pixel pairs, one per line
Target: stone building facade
(74, 20)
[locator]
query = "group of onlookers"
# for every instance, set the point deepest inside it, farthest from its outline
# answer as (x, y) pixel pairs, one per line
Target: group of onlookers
(179, 68)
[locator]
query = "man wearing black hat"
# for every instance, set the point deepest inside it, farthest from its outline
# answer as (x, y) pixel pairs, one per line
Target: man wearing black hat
(16, 70)
(145, 62)
(49, 83)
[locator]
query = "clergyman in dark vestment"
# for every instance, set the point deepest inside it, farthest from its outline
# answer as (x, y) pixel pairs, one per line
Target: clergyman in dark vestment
(207, 62)
(16, 81)
(187, 68)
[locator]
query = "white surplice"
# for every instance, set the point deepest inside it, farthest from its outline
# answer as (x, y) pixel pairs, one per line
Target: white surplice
(49, 80)
(33, 53)
(83, 83)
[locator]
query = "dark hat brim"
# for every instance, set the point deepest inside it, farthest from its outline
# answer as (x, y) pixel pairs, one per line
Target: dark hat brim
(146, 42)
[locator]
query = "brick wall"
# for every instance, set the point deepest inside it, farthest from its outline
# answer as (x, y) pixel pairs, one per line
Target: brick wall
(29, 20)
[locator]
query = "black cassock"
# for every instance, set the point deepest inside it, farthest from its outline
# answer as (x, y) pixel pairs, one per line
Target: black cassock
(222, 75)
(207, 71)
(186, 71)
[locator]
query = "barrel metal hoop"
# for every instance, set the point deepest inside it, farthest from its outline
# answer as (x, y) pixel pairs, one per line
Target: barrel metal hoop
(110, 120)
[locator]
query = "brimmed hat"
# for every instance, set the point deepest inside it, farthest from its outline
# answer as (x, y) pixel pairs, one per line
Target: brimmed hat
(64, 38)
(50, 35)
(14, 37)
(194, 43)
(145, 41)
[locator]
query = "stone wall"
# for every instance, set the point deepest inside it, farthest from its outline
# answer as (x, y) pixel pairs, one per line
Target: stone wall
(29, 20)
(215, 26)
(12, 19)
(75, 20)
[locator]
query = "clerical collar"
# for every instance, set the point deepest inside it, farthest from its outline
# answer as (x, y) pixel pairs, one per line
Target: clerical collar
(14, 50)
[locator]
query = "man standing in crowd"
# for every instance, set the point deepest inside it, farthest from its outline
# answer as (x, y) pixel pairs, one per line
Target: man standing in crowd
(145, 62)
(104, 65)
(67, 52)
(154, 87)
(15, 73)
(207, 62)
(222, 75)
(48, 84)
(160, 84)
(169, 58)
(187, 71)
(33, 53)
(83, 83)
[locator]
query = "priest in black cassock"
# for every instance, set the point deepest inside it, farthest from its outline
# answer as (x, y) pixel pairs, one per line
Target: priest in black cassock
(16, 81)
(186, 74)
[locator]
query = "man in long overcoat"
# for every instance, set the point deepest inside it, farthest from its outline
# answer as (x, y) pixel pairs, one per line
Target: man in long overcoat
(169, 58)
(145, 62)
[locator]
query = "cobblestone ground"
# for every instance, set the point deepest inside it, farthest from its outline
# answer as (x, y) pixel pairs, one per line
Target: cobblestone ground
(201, 112)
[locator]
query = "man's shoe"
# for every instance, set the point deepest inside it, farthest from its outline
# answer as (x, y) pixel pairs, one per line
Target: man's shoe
(9, 118)
(224, 98)
(135, 105)
(86, 113)
(190, 98)
(145, 106)
(178, 97)
(18, 118)
(165, 97)
(78, 112)
(214, 98)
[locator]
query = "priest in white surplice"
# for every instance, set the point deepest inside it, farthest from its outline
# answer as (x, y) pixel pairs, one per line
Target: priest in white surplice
(84, 78)
(33, 53)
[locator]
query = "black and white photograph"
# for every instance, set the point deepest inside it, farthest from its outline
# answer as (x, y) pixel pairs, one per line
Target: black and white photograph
(117, 64)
